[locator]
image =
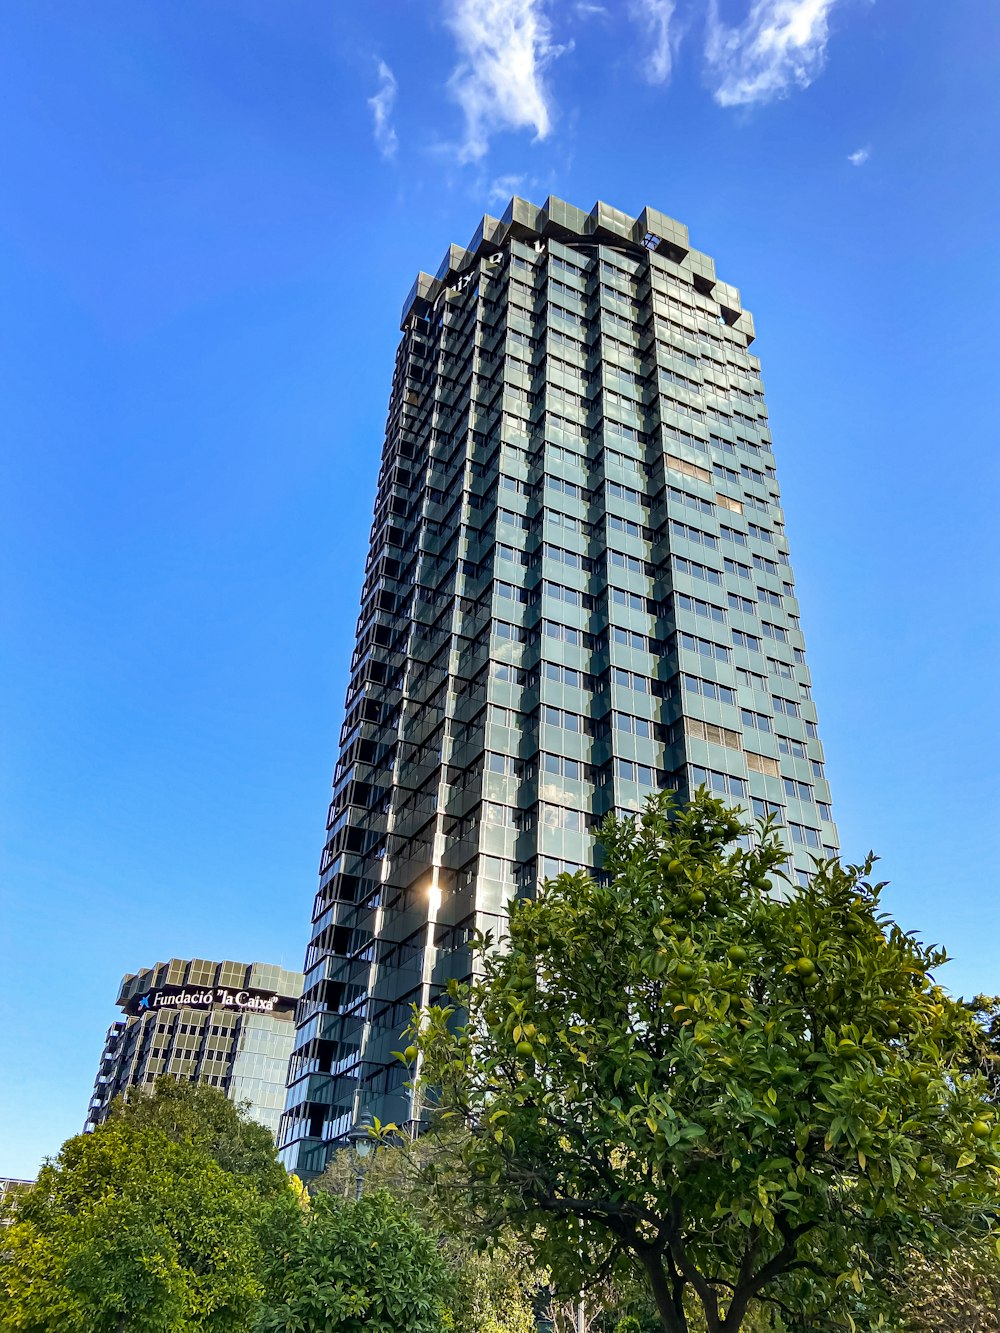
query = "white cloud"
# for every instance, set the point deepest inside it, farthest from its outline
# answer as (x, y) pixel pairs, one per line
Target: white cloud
(656, 16)
(503, 189)
(781, 43)
(381, 105)
(505, 46)
(859, 157)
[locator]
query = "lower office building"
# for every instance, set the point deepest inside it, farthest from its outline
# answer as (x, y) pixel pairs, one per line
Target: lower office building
(227, 1024)
(9, 1187)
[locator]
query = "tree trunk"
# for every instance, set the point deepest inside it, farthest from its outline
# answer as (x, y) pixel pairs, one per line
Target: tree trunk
(670, 1310)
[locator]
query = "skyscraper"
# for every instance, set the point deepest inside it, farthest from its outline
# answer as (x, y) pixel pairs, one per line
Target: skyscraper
(227, 1024)
(577, 592)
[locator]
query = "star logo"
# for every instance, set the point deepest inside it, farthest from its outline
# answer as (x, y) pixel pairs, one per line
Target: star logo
(143, 1003)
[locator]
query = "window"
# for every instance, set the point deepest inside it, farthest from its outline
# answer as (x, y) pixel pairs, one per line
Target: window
(725, 473)
(766, 595)
(690, 567)
(624, 432)
(499, 763)
(557, 262)
(565, 457)
(699, 608)
(503, 630)
(691, 501)
(618, 492)
(571, 596)
(808, 837)
(817, 768)
(509, 553)
(558, 817)
(631, 639)
(625, 461)
(566, 675)
(570, 559)
(641, 774)
(743, 604)
(633, 726)
(688, 469)
(785, 706)
(708, 731)
(711, 689)
(498, 816)
(761, 534)
(747, 641)
(625, 525)
(515, 485)
(509, 591)
(513, 520)
(764, 809)
(561, 717)
(758, 721)
(727, 503)
(499, 716)
(733, 535)
(630, 562)
(800, 790)
(690, 534)
(762, 763)
(780, 668)
(774, 631)
(563, 767)
(631, 680)
(569, 488)
(558, 520)
(768, 566)
(824, 811)
(703, 646)
(631, 600)
(734, 567)
(723, 783)
(566, 634)
(787, 745)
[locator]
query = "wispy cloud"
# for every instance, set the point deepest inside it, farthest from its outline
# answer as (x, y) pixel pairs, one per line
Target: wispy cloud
(780, 44)
(505, 47)
(656, 18)
(381, 105)
(503, 189)
(859, 157)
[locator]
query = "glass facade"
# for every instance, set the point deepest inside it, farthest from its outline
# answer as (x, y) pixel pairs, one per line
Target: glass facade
(227, 1024)
(578, 592)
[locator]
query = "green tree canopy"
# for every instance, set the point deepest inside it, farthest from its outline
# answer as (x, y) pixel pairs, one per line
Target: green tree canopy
(364, 1267)
(188, 1112)
(746, 1094)
(491, 1292)
(128, 1231)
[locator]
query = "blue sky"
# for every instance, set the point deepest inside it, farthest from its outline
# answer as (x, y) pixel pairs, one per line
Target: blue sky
(209, 217)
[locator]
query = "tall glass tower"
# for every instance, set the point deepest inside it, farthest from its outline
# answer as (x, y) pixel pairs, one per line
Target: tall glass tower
(577, 592)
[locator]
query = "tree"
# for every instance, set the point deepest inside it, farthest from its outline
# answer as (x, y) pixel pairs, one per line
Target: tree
(954, 1293)
(128, 1232)
(491, 1292)
(188, 1112)
(356, 1267)
(749, 1095)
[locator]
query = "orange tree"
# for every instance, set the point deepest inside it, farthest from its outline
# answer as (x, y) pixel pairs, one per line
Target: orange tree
(749, 1096)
